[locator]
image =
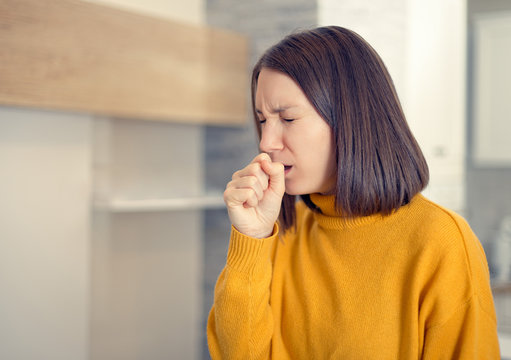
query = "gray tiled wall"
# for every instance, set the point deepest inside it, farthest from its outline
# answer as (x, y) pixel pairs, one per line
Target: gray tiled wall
(227, 149)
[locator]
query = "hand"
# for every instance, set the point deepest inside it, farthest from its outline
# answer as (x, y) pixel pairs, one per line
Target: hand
(254, 196)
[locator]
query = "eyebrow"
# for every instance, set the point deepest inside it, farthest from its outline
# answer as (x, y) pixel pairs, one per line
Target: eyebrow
(276, 110)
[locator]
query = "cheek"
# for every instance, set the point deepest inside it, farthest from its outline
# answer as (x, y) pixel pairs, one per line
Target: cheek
(320, 155)
(313, 148)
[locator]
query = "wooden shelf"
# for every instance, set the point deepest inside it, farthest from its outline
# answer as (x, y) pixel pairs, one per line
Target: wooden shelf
(82, 57)
(172, 204)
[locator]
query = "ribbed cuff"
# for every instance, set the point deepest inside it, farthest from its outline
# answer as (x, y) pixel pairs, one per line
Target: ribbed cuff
(246, 252)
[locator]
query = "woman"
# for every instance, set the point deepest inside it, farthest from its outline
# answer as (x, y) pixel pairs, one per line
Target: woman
(364, 266)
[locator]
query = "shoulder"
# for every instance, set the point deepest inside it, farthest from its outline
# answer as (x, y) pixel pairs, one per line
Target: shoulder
(445, 231)
(435, 224)
(455, 257)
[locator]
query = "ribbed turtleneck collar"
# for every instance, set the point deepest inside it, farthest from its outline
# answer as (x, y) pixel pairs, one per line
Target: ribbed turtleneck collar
(331, 219)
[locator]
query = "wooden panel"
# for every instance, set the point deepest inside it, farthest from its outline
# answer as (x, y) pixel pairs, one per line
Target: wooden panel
(78, 56)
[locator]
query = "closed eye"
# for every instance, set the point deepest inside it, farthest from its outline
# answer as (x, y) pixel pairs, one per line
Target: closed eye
(262, 121)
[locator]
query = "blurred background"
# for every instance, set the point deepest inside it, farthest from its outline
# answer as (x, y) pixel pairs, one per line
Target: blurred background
(112, 226)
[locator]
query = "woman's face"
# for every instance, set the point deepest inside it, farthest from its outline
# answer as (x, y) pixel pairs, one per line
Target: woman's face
(293, 133)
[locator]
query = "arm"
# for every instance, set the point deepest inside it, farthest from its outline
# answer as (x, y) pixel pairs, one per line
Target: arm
(240, 324)
(470, 333)
(462, 322)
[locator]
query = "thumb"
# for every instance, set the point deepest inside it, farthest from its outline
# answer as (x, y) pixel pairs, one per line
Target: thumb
(275, 170)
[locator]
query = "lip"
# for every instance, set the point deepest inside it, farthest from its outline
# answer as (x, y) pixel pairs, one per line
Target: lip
(287, 168)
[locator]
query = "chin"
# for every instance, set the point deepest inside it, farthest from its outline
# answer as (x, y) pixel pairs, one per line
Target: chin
(293, 190)
(304, 190)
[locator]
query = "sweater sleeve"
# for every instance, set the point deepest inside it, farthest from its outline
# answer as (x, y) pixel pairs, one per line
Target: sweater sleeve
(240, 324)
(470, 333)
(461, 321)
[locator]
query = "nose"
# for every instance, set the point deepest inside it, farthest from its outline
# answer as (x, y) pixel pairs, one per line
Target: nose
(271, 137)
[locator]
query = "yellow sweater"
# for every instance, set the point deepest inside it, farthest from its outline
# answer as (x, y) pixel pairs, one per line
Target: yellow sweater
(412, 285)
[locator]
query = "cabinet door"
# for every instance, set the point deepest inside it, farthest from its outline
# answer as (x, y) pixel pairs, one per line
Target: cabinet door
(492, 90)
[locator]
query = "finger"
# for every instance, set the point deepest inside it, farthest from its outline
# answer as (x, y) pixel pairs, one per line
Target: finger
(275, 171)
(248, 182)
(261, 157)
(252, 201)
(253, 169)
(237, 197)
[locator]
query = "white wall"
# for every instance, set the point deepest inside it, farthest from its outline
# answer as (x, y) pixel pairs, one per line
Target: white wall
(54, 295)
(45, 187)
(147, 266)
(435, 97)
(423, 44)
(382, 23)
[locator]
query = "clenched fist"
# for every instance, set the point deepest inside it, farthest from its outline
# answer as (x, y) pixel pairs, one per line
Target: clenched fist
(254, 195)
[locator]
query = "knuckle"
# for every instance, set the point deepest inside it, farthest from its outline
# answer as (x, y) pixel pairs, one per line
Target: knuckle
(252, 180)
(252, 199)
(264, 180)
(253, 168)
(260, 194)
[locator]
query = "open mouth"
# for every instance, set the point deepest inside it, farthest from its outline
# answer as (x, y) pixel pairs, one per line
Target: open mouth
(287, 168)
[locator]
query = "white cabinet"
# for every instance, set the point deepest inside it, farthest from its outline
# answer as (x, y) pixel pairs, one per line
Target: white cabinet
(492, 90)
(147, 251)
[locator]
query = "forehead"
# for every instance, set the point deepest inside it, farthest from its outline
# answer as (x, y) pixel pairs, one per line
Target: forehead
(276, 90)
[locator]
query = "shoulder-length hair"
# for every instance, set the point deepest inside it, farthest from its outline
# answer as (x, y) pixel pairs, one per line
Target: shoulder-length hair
(380, 166)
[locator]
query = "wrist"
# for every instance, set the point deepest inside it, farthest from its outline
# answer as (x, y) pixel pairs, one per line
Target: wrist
(258, 234)
(247, 254)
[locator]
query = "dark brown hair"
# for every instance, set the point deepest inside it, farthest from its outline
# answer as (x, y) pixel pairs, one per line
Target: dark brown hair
(380, 166)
